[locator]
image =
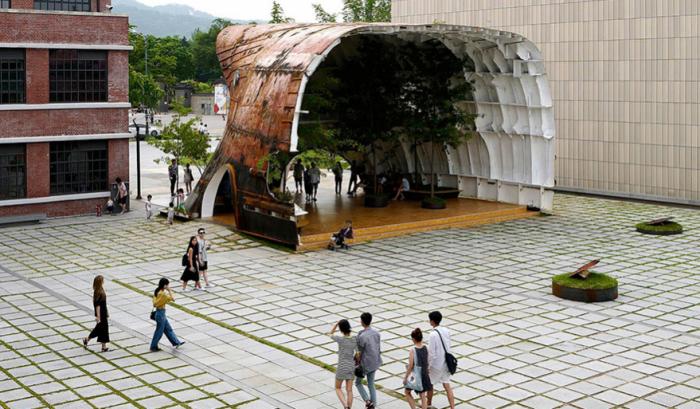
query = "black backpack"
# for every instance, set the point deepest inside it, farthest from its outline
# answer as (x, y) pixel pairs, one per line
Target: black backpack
(450, 359)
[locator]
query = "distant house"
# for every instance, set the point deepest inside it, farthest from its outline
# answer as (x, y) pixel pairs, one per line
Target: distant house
(202, 104)
(183, 92)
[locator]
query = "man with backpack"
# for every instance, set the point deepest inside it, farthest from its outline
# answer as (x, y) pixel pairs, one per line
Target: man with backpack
(438, 357)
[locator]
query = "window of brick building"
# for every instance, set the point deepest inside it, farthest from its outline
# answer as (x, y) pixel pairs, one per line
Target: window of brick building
(62, 5)
(13, 171)
(12, 73)
(77, 76)
(5, 4)
(78, 167)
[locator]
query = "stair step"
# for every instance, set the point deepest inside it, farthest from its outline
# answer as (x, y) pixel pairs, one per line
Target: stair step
(320, 241)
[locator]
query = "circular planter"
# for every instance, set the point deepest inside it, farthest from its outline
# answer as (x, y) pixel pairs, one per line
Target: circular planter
(664, 229)
(600, 288)
(434, 204)
(376, 200)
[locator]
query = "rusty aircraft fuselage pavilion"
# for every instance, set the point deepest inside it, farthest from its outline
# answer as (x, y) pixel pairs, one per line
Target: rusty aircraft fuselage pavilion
(267, 68)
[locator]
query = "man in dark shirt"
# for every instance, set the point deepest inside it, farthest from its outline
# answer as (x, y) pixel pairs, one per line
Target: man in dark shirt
(369, 355)
(172, 174)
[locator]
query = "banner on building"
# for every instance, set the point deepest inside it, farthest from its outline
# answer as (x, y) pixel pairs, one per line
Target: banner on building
(221, 99)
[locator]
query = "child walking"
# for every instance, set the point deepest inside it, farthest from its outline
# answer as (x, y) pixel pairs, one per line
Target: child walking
(171, 213)
(149, 207)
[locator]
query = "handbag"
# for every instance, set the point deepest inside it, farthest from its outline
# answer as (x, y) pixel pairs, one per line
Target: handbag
(359, 371)
(415, 382)
(185, 260)
(450, 359)
(153, 314)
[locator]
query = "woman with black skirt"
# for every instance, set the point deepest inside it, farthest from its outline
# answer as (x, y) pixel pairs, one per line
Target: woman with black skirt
(191, 272)
(99, 302)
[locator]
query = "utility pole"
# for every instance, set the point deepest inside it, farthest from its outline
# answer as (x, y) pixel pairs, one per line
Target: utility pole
(138, 159)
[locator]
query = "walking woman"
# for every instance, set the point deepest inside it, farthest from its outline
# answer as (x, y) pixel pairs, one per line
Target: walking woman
(191, 272)
(99, 302)
(416, 378)
(345, 372)
(162, 296)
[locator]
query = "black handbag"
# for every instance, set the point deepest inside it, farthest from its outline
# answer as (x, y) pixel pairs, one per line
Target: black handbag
(153, 314)
(450, 359)
(185, 260)
(359, 371)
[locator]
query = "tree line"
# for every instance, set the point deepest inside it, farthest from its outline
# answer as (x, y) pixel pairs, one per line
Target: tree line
(171, 60)
(193, 60)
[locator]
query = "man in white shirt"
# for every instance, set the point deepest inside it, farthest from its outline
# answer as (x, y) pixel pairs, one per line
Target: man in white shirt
(437, 347)
(203, 260)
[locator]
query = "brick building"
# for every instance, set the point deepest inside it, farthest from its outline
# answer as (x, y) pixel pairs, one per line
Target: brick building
(64, 80)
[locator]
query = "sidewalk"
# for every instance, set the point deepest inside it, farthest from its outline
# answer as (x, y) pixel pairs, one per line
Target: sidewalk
(273, 375)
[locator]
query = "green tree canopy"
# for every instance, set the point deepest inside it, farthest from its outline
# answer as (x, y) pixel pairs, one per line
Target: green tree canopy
(322, 16)
(180, 140)
(206, 63)
(144, 90)
(277, 14)
(357, 11)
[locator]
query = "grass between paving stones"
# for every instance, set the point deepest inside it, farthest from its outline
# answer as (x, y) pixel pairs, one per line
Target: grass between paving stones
(20, 383)
(68, 360)
(595, 281)
(238, 331)
(176, 402)
(668, 227)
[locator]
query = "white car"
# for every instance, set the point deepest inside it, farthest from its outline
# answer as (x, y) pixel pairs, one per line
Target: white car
(153, 130)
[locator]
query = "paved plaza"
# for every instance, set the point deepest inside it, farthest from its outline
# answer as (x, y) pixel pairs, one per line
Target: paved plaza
(256, 339)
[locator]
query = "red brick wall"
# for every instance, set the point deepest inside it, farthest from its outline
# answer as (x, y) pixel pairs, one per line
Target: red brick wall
(68, 208)
(63, 28)
(118, 66)
(63, 122)
(37, 63)
(118, 157)
(22, 4)
(38, 183)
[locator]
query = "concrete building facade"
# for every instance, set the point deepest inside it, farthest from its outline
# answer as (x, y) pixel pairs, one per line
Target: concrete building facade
(64, 89)
(625, 82)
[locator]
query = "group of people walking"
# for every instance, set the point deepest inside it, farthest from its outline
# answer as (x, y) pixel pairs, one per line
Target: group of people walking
(161, 297)
(196, 261)
(359, 357)
(306, 180)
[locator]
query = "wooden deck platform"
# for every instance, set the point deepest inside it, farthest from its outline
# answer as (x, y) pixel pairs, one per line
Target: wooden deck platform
(328, 214)
(399, 218)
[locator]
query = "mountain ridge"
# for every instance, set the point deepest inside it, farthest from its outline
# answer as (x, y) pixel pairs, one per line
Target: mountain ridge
(167, 20)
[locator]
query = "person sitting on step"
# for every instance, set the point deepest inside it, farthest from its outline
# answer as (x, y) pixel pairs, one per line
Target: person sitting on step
(338, 239)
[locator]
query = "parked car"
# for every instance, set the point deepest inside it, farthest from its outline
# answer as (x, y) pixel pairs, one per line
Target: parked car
(153, 130)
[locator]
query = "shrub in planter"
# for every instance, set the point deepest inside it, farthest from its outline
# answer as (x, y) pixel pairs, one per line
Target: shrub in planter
(597, 287)
(661, 229)
(433, 203)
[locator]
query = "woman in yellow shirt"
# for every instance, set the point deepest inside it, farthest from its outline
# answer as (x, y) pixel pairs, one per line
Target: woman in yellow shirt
(161, 296)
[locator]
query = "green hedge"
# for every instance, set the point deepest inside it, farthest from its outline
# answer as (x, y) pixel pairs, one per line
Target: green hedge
(595, 281)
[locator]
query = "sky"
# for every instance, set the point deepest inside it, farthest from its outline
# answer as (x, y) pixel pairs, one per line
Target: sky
(299, 10)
